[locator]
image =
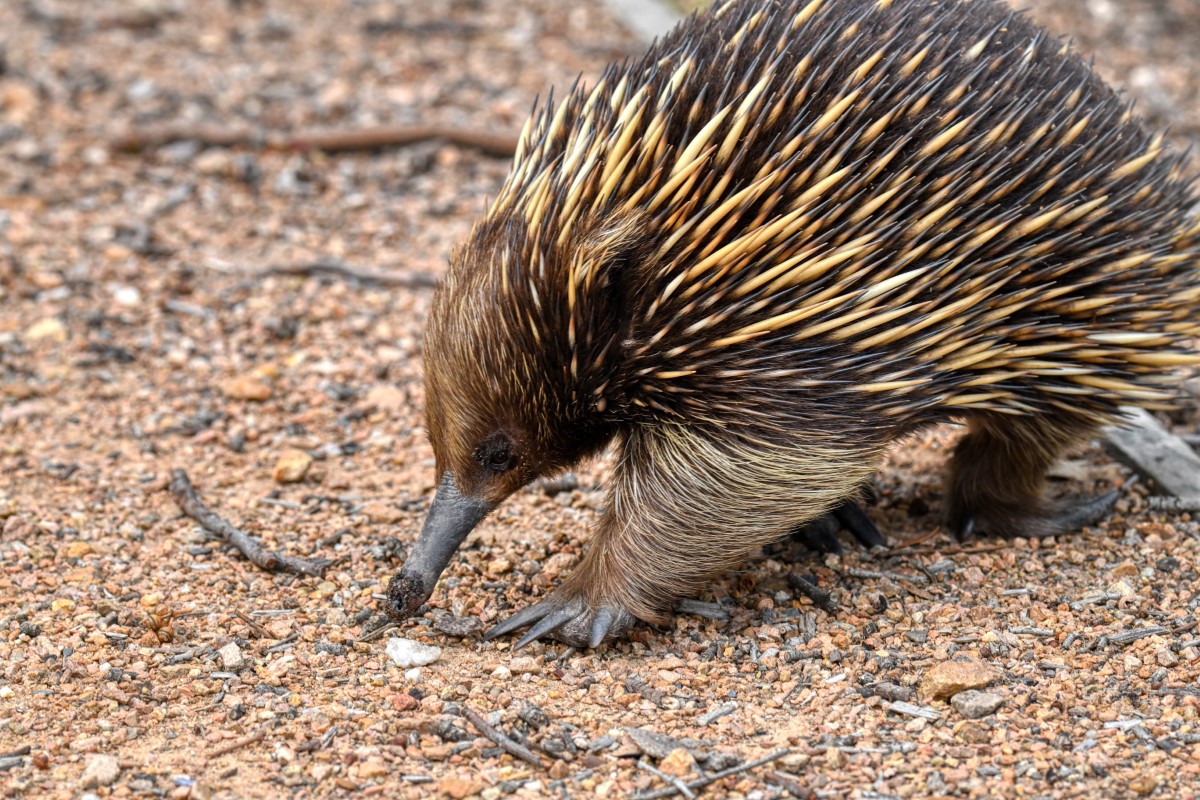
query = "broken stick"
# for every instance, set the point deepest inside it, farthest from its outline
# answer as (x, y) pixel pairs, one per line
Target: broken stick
(714, 777)
(189, 501)
(328, 141)
(412, 280)
(509, 746)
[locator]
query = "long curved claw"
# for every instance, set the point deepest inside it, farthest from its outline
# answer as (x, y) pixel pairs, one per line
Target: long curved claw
(568, 619)
(546, 624)
(1085, 512)
(600, 624)
(855, 520)
(821, 534)
(518, 620)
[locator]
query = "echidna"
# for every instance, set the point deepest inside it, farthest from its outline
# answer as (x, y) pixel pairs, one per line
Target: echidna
(790, 233)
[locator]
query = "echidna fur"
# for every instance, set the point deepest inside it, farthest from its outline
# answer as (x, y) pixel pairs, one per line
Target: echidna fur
(788, 234)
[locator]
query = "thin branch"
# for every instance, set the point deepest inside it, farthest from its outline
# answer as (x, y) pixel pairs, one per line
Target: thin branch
(701, 783)
(679, 785)
(413, 280)
(257, 736)
(273, 561)
(328, 141)
(509, 746)
(821, 598)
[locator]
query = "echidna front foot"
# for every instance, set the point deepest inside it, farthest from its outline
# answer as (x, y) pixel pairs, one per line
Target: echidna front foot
(569, 618)
(822, 533)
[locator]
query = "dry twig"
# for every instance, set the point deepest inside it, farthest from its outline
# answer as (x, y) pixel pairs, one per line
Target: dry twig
(700, 783)
(328, 141)
(821, 598)
(412, 280)
(508, 745)
(189, 501)
(237, 744)
(671, 779)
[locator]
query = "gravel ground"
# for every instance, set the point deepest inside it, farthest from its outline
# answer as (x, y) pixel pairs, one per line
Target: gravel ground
(140, 331)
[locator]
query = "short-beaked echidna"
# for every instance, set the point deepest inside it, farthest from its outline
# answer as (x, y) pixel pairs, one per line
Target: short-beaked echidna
(790, 233)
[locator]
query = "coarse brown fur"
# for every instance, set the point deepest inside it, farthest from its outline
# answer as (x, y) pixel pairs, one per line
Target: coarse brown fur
(790, 233)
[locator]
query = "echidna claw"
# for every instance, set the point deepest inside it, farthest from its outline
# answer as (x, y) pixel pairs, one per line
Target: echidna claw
(822, 533)
(569, 620)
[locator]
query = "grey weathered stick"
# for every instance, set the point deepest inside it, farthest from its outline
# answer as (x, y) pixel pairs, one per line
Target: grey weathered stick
(671, 779)
(329, 141)
(821, 598)
(189, 501)
(1173, 505)
(713, 778)
(712, 716)
(509, 746)
(408, 280)
(1143, 444)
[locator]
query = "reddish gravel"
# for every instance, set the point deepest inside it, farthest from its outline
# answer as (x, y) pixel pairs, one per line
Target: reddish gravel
(138, 334)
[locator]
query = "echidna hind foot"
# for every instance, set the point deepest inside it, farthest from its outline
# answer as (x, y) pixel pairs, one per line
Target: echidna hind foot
(821, 534)
(997, 478)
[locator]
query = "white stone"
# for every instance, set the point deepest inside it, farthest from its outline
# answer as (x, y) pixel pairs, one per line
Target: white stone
(231, 657)
(101, 770)
(407, 653)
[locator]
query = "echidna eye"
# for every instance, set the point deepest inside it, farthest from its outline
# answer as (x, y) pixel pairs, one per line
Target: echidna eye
(496, 453)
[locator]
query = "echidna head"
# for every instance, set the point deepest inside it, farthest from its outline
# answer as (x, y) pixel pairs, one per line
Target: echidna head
(516, 362)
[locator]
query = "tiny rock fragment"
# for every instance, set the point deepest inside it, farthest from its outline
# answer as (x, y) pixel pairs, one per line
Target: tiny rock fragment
(457, 788)
(381, 512)
(127, 296)
(101, 770)
(971, 732)
(522, 665)
(407, 653)
(1126, 569)
(49, 329)
(956, 675)
(679, 763)
(1166, 657)
(974, 704)
(1144, 785)
(893, 691)
(292, 466)
(387, 399)
(232, 658)
(78, 549)
(372, 767)
(1122, 588)
(247, 387)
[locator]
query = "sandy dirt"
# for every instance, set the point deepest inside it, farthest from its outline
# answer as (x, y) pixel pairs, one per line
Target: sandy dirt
(141, 330)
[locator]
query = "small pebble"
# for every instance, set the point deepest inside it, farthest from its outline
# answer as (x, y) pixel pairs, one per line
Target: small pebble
(956, 675)
(292, 466)
(974, 704)
(101, 770)
(232, 659)
(247, 387)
